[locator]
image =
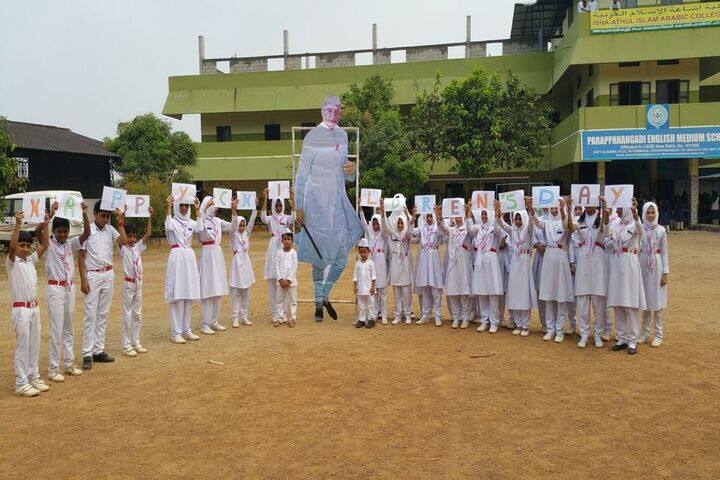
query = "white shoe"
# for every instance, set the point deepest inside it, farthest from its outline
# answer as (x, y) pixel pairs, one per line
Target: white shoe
(27, 390)
(548, 336)
(559, 337)
(247, 322)
(178, 339)
(438, 322)
(465, 324)
(482, 327)
(493, 329)
(235, 324)
(396, 320)
(140, 349)
(39, 385)
(524, 332)
(456, 323)
(422, 321)
(384, 321)
(656, 342)
(207, 330)
(56, 377)
(217, 327)
(598, 342)
(582, 343)
(516, 331)
(73, 370)
(129, 352)
(408, 321)
(190, 336)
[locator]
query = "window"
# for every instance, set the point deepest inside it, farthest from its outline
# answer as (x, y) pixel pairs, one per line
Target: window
(579, 81)
(578, 104)
(272, 131)
(668, 62)
(306, 124)
(628, 64)
(630, 93)
(590, 98)
(591, 70)
(672, 91)
(23, 166)
(223, 133)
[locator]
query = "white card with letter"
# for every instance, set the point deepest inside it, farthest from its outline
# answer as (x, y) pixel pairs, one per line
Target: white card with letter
(112, 198)
(246, 200)
(69, 206)
(453, 207)
(33, 208)
(137, 206)
(222, 197)
(370, 197)
(585, 195)
(279, 189)
(546, 196)
(511, 201)
(425, 203)
(184, 193)
(618, 196)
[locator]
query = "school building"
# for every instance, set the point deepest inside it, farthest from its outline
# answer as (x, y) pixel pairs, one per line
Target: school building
(635, 94)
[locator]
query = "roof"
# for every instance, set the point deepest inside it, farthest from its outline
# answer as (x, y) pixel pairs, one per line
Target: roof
(529, 18)
(32, 136)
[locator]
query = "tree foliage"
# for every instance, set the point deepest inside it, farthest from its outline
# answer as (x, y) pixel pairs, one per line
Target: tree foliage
(149, 147)
(9, 180)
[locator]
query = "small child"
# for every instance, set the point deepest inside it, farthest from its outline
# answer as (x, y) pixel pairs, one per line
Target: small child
(22, 280)
(132, 270)
(364, 286)
(286, 272)
(242, 276)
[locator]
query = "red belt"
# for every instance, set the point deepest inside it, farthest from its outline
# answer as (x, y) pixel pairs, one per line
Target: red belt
(103, 269)
(493, 250)
(62, 283)
(174, 245)
(379, 250)
(625, 250)
(464, 247)
(212, 242)
(130, 279)
(32, 304)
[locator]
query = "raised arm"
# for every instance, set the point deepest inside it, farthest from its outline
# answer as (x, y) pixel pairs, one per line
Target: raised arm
(441, 225)
(148, 229)
(571, 227)
(86, 222)
(122, 239)
(45, 237)
(15, 235)
(499, 220)
(251, 222)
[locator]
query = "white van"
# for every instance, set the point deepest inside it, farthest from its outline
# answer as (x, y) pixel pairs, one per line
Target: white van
(13, 203)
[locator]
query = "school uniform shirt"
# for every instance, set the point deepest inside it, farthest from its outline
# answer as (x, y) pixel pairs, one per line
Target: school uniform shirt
(625, 286)
(213, 276)
(364, 275)
(182, 280)
(378, 248)
(400, 272)
(521, 294)
(428, 272)
(591, 263)
(487, 276)
(459, 268)
(555, 277)
(241, 270)
(99, 247)
(59, 260)
(286, 266)
(653, 259)
(131, 261)
(22, 278)
(277, 223)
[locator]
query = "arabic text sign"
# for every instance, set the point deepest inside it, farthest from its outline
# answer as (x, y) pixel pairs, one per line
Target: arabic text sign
(661, 17)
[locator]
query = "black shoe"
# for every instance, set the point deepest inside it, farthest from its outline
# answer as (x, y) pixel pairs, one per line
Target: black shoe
(370, 324)
(360, 324)
(632, 350)
(318, 314)
(331, 311)
(103, 357)
(87, 363)
(619, 346)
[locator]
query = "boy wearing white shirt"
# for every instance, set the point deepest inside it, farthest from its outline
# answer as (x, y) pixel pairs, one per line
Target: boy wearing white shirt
(286, 273)
(364, 279)
(22, 281)
(60, 268)
(132, 271)
(97, 280)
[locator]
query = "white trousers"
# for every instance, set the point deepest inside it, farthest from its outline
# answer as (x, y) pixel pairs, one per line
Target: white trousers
(489, 306)
(131, 314)
(431, 300)
(380, 302)
(26, 322)
(582, 305)
(555, 316)
(521, 318)
(61, 308)
(627, 325)
(286, 301)
(180, 311)
(571, 314)
(96, 311)
(366, 308)
(272, 296)
(646, 320)
(240, 302)
(403, 300)
(210, 310)
(460, 308)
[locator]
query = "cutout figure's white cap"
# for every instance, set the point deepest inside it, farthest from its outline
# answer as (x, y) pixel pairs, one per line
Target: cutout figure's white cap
(363, 243)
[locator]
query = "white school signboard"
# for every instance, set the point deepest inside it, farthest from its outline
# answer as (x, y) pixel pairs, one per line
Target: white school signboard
(618, 196)
(453, 207)
(69, 206)
(511, 201)
(279, 189)
(184, 192)
(370, 197)
(137, 206)
(425, 203)
(112, 199)
(33, 208)
(246, 200)
(585, 195)
(546, 196)
(222, 197)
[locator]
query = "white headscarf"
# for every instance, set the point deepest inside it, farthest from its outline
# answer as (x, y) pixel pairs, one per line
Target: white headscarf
(519, 233)
(486, 230)
(208, 218)
(183, 232)
(177, 215)
(553, 224)
(428, 233)
(649, 233)
(375, 238)
(210, 214)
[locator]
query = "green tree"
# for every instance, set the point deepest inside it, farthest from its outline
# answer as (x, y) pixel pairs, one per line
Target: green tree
(149, 147)
(427, 126)
(9, 180)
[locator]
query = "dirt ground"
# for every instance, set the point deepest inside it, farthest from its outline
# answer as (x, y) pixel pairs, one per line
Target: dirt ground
(329, 401)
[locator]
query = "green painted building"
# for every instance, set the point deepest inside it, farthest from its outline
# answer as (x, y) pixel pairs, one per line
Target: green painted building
(599, 70)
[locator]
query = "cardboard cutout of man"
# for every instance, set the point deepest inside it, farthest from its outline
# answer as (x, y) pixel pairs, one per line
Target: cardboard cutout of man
(329, 225)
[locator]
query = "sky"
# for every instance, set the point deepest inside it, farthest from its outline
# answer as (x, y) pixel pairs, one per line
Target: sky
(88, 64)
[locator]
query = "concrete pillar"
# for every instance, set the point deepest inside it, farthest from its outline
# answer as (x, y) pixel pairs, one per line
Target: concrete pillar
(374, 37)
(601, 174)
(201, 53)
(694, 193)
(286, 43)
(468, 29)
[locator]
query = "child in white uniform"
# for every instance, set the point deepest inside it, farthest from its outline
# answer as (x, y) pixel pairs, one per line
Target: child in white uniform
(487, 281)
(131, 313)
(378, 246)
(242, 276)
(22, 283)
(573, 246)
(286, 274)
(655, 269)
(182, 281)
(364, 278)
(457, 269)
(400, 273)
(277, 223)
(428, 272)
(521, 293)
(60, 268)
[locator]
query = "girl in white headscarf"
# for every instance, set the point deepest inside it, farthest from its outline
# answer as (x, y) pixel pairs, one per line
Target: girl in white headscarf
(182, 282)
(457, 270)
(277, 223)
(539, 245)
(428, 272)
(609, 257)
(213, 277)
(487, 281)
(242, 276)
(398, 232)
(625, 287)
(590, 274)
(377, 241)
(573, 246)
(655, 269)
(521, 293)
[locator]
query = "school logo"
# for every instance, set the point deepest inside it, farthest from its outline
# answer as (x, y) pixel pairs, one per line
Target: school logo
(658, 116)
